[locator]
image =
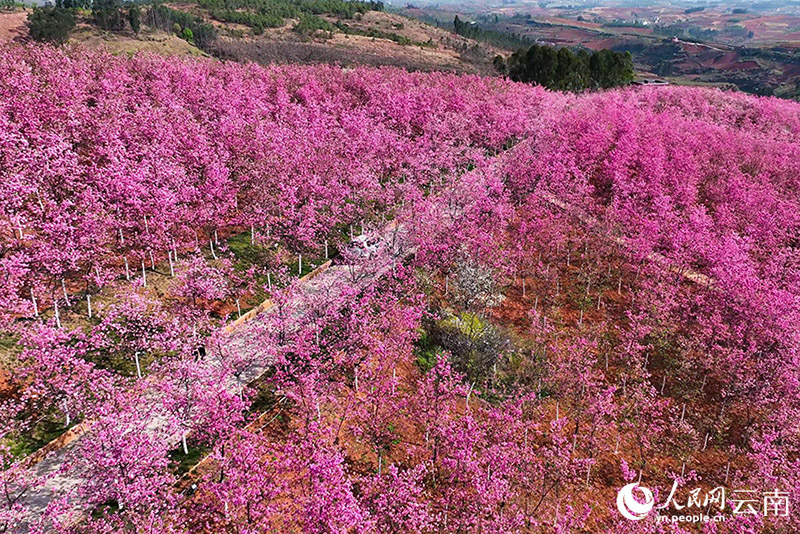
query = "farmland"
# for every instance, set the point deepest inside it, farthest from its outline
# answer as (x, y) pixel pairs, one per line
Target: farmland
(729, 46)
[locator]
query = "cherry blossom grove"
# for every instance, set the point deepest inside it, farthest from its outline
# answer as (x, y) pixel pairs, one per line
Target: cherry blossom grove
(566, 294)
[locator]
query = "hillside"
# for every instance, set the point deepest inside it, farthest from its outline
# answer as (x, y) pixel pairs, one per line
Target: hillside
(478, 305)
(370, 38)
(378, 38)
(150, 40)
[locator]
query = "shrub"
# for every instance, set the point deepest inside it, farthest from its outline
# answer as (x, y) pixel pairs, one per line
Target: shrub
(107, 14)
(474, 344)
(135, 18)
(160, 16)
(51, 24)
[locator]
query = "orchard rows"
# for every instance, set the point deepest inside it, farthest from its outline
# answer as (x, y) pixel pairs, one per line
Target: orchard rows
(614, 299)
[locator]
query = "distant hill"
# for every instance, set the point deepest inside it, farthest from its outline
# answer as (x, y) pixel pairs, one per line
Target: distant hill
(756, 53)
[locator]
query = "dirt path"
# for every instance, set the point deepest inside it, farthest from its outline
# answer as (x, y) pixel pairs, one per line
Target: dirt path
(12, 25)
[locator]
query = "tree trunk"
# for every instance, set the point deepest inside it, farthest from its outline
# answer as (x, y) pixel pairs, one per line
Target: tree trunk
(35, 306)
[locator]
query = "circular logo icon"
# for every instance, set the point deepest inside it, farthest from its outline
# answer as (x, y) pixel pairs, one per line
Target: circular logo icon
(629, 507)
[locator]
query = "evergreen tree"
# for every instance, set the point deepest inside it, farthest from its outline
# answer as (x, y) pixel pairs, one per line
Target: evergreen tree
(499, 64)
(562, 69)
(108, 14)
(135, 18)
(51, 24)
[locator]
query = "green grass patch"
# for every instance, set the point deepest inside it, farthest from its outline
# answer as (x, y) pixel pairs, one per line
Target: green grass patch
(469, 324)
(43, 432)
(245, 253)
(182, 462)
(108, 507)
(264, 398)
(9, 342)
(298, 269)
(9, 350)
(122, 363)
(426, 351)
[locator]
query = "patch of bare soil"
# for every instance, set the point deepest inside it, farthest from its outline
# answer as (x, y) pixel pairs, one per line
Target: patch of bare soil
(346, 51)
(154, 41)
(12, 25)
